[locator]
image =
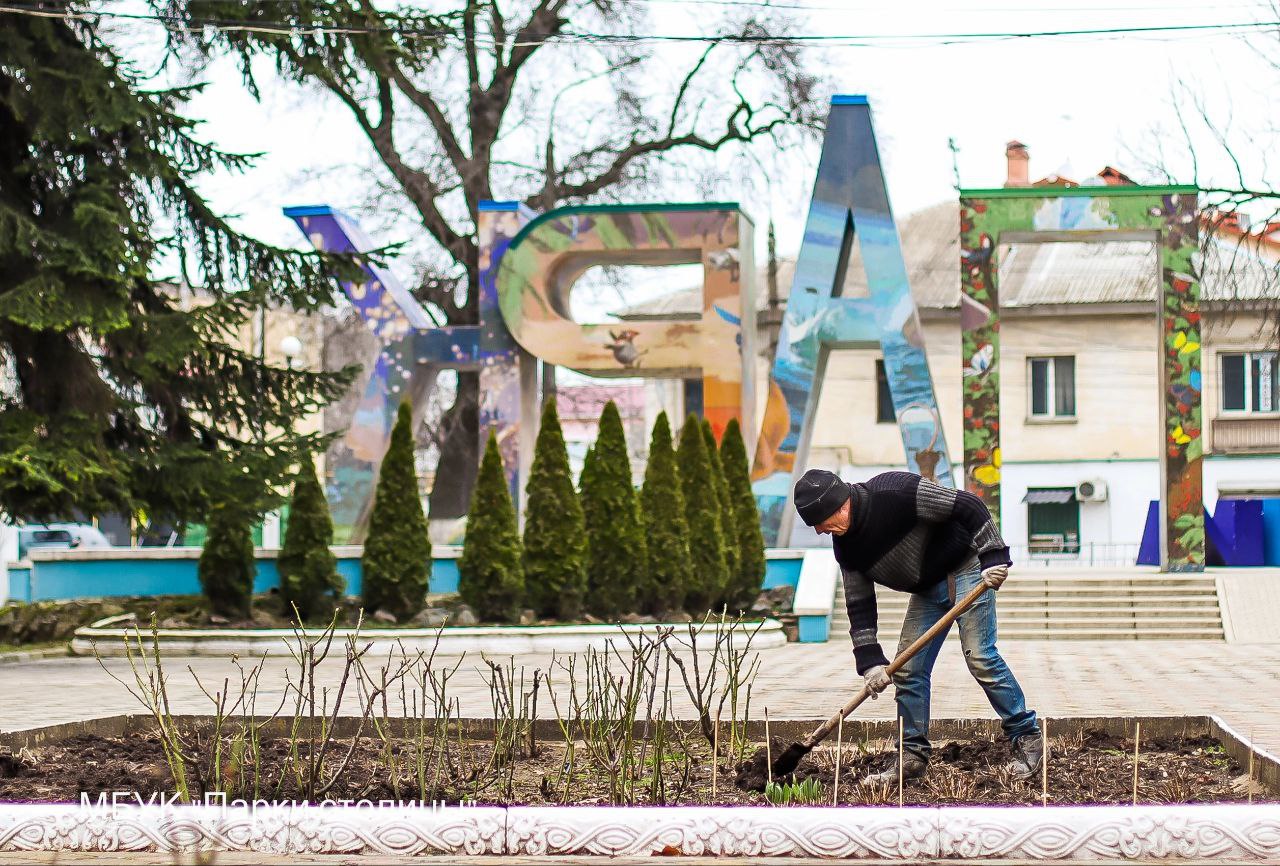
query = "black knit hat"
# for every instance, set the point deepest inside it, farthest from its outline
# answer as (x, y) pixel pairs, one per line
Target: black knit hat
(819, 494)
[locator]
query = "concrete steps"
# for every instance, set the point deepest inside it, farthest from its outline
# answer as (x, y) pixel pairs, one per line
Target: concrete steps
(1078, 605)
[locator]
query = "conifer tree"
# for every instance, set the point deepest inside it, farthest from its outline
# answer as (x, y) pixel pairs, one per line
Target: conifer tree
(118, 381)
(309, 578)
(666, 532)
(555, 543)
(396, 564)
(226, 568)
(708, 574)
(746, 538)
(611, 512)
(490, 575)
(726, 511)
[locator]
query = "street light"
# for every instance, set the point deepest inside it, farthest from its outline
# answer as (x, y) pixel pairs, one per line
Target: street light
(291, 348)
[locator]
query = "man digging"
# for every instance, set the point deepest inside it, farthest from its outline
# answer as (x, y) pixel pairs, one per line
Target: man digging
(909, 534)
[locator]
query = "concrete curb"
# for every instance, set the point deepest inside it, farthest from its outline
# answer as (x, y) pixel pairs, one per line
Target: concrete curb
(22, 656)
(1171, 834)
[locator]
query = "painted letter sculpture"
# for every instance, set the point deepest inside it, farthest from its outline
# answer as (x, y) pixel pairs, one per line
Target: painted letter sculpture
(849, 202)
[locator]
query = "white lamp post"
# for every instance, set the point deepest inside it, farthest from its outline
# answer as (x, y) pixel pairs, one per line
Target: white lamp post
(291, 348)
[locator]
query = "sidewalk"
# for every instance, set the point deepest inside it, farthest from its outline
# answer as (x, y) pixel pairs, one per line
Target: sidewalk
(1237, 682)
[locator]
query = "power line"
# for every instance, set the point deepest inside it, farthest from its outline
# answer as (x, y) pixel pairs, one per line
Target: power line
(195, 25)
(807, 7)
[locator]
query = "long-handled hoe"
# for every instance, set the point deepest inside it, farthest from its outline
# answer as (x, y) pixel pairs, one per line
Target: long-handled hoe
(755, 771)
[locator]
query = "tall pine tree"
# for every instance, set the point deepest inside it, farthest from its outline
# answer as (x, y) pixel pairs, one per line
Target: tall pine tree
(121, 381)
(309, 578)
(616, 559)
(490, 575)
(666, 532)
(726, 511)
(555, 544)
(396, 565)
(747, 538)
(708, 574)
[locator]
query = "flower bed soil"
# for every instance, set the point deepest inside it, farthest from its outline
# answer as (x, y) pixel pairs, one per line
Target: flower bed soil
(1089, 767)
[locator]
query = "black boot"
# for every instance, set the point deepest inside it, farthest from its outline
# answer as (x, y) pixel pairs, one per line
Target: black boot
(1028, 755)
(913, 767)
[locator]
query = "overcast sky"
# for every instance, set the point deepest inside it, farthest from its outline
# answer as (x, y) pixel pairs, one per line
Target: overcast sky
(1079, 102)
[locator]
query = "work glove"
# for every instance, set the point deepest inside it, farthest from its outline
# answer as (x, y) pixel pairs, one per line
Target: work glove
(876, 680)
(995, 575)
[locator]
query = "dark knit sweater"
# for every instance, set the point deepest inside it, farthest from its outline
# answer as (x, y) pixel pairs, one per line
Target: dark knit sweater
(908, 534)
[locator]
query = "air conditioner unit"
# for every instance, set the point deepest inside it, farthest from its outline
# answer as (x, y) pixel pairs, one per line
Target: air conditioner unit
(1093, 490)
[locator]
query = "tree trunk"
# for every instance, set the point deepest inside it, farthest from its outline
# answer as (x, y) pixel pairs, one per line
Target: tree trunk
(459, 452)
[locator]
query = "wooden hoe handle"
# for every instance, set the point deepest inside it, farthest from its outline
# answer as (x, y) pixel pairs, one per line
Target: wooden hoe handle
(902, 658)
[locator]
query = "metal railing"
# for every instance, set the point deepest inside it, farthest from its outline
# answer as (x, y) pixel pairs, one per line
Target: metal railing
(1244, 434)
(1099, 555)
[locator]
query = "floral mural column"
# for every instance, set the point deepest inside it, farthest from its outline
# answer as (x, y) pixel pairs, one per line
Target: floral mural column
(980, 353)
(1170, 213)
(1182, 538)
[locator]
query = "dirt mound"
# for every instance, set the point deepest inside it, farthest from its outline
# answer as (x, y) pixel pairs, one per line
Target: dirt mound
(754, 773)
(972, 755)
(11, 766)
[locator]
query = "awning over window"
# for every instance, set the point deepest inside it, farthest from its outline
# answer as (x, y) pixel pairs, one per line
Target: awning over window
(1055, 496)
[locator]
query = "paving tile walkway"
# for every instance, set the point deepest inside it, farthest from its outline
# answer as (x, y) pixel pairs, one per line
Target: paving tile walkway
(1238, 682)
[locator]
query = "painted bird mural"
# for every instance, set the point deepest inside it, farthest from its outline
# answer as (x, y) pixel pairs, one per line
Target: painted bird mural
(981, 255)
(624, 347)
(732, 320)
(980, 363)
(725, 260)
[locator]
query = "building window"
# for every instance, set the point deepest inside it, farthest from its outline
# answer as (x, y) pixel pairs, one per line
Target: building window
(884, 399)
(1250, 382)
(1053, 387)
(1053, 520)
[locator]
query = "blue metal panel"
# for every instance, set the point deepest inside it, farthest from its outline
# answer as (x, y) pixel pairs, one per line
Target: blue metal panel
(444, 575)
(1149, 548)
(19, 584)
(782, 572)
(349, 570)
(1271, 531)
(814, 629)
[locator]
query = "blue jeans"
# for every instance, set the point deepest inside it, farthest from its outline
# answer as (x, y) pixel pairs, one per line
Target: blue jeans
(978, 640)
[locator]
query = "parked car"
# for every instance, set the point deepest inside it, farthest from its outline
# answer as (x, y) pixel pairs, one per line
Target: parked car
(66, 536)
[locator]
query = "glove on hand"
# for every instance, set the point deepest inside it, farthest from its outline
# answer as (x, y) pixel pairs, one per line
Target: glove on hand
(876, 680)
(995, 575)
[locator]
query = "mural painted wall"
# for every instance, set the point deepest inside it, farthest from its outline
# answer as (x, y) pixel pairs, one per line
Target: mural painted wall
(850, 202)
(525, 277)
(1169, 214)
(412, 350)
(537, 272)
(500, 385)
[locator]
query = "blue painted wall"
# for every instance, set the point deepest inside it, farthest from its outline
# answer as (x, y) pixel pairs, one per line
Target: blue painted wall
(1271, 531)
(814, 629)
(62, 579)
(19, 582)
(783, 572)
(1242, 532)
